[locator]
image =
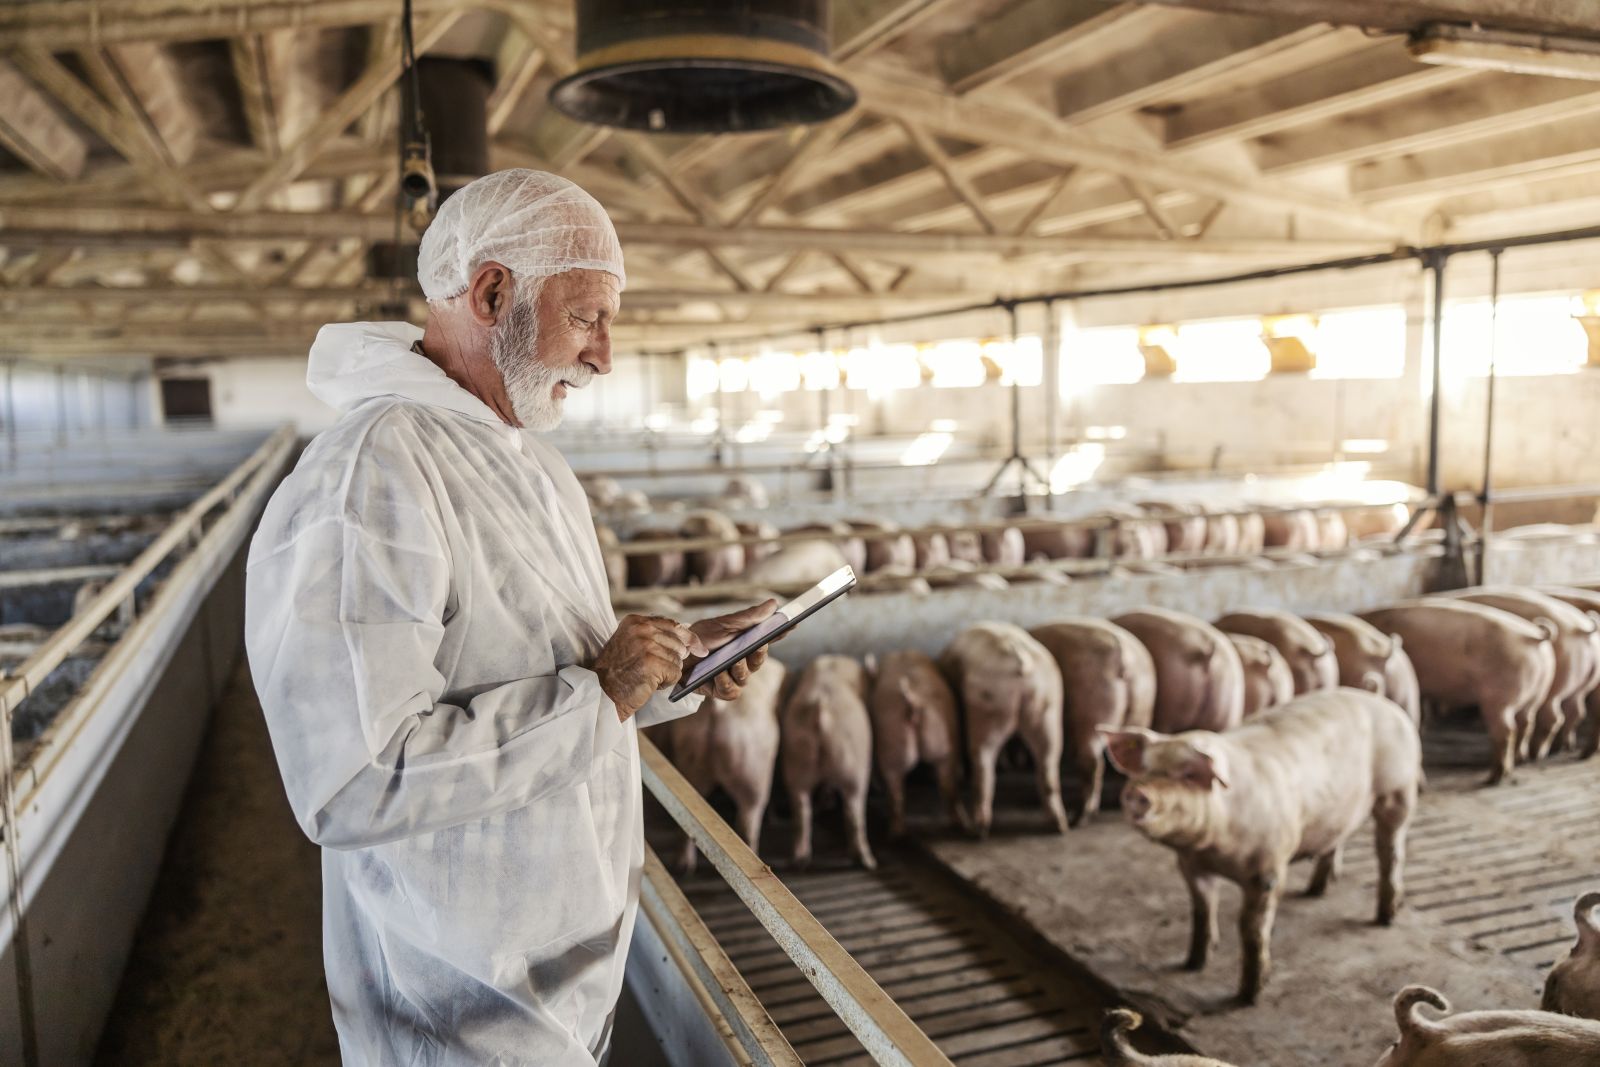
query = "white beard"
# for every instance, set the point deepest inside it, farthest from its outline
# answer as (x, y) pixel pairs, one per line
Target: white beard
(529, 384)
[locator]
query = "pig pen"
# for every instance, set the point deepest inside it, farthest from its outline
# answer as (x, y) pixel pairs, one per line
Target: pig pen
(1099, 916)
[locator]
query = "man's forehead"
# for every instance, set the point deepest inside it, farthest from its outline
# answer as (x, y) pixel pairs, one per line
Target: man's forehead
(586, 281)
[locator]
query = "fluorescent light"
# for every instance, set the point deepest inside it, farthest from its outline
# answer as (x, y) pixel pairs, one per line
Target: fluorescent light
(1506, 50)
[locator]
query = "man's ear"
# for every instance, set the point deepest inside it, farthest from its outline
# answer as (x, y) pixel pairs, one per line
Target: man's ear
(1127, 747)
(490, 293)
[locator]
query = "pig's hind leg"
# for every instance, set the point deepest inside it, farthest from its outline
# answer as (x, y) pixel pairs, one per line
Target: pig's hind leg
(855, 821)
(1326, 872)
(1392, 815)
(1202, 913)
(1548, 724)
(1045, 744)
(949, 770)
(1504, 730)
(800, 806)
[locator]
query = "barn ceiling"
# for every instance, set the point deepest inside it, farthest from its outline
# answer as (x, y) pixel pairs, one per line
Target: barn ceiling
(205, 177)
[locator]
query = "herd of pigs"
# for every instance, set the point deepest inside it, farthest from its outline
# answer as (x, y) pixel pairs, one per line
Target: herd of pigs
(890, 557)
(1247, 743)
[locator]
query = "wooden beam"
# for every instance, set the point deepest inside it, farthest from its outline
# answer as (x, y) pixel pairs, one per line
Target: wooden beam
(1036, 135)
(863, 26)
(31, 130)
(253, 70)
(1023, 38)
(854, 272)
(519, 63)
(963, 189)
(338, 115)
(1485, 106)
(1538, 16)
(817, 143)
(1160, 68)
(116, 129)
(1547, 151)
(65, 25)
(150, 89)
(1372, 77)
(1165, 228)
(1052, 196)
(137, 226)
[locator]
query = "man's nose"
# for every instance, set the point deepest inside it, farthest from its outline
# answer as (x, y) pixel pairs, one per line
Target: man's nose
(598, 354)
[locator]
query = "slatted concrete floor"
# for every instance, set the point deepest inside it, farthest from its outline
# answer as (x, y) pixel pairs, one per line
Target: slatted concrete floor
(985, 999)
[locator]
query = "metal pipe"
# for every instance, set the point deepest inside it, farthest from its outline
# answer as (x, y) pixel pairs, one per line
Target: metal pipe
(882, 1027)
(11, 415)
(1436, 264)
(1050, 351)
(1484, 501)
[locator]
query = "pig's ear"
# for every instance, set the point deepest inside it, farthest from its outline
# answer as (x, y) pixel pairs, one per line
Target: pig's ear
(1127, 747)
(1201, 766)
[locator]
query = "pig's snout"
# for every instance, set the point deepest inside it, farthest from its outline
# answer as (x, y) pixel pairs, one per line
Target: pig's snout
(1136, 803)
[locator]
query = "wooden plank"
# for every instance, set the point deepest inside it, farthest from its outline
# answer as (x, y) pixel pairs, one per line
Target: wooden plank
(31, 130)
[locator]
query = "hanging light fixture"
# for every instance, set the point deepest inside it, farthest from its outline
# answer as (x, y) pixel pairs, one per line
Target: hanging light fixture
(681, 66)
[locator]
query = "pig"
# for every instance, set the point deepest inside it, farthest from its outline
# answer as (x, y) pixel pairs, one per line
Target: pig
(1294, 530)
(1332, 533)
(1371, 659)
(1583, 735)
(650, 604)
(651, 569)
(914, 721)
(1376, 522)
(1185, 526)
(932, 550)
(710, 565)
(616, 563)
(1577, 654)
(1222, 535)
(1199, 679)
(1108, 679)
(800, 563)
(1252, 534)
(1468, 654)
(891, 549)
(633, 502)
(960, 573)
(1132, 535)
(1008, 684)
(602, 491)
(853, 547)
(1573, 985)
(1308, 653)
(1117, 1052)
(1057, 540)
(732, 744)
(1293, 783)
(895, 580)
(754, 554)
(1487, 1038)
(827, 742)
(744, 492)
(1268, 681)
(966, 546)
(1004, 548)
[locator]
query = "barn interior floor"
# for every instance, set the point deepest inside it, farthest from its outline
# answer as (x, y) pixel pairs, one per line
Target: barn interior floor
(1492, 876)
(227, 965)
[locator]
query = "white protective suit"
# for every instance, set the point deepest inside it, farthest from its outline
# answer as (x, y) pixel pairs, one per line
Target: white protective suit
(421, 593)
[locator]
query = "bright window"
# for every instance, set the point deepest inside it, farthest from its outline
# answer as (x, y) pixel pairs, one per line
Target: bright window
(1227, 351)
(1102, 356)
(774, 373)
(1021, 363)
(702, 377)
(1365, 343)
(734, 375)
(1536, 335)
(820, 370)
(882, 368)
(955, 364)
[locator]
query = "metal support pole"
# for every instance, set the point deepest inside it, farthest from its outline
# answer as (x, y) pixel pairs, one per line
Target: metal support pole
(1016, 459)
(1050, 352)
(1485, 502)
(11, 415)
(1436, 262)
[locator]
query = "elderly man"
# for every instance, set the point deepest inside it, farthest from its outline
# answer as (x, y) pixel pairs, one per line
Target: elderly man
(452, 702)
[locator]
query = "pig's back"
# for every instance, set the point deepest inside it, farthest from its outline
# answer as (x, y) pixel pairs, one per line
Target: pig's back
(1341, 746)
(1451, 642)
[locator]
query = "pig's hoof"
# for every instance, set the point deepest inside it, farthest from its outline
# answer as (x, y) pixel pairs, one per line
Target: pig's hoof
(869, 863)
(1247, 997)
(1195, 963)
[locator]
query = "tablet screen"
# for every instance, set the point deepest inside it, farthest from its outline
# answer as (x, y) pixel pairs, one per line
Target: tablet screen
(824, 592)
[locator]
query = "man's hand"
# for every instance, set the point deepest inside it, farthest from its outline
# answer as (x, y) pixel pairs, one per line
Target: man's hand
(644, 655)
(718, 631)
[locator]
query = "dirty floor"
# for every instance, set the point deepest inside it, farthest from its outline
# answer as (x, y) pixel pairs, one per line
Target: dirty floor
(227, 966)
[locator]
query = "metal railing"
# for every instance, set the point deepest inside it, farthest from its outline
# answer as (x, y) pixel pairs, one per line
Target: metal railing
(884, 1030)
(251, 478)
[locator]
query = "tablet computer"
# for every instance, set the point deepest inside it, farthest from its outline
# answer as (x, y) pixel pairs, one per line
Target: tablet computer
(779, 622)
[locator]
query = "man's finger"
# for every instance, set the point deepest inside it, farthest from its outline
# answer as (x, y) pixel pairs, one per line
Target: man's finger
(757, 658)
(739, 672)
(725, 688)
(670, 641)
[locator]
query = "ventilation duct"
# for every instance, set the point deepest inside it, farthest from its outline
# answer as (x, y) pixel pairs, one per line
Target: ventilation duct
(678, 66)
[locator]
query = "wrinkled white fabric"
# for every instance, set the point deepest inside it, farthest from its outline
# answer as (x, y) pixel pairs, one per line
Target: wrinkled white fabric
(421, 594)
(534, 223)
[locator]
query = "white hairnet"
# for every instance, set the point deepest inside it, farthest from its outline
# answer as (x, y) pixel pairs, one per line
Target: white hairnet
(536, 224)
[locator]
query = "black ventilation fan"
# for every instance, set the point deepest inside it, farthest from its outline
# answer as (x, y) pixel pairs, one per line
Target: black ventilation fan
(685, 67)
